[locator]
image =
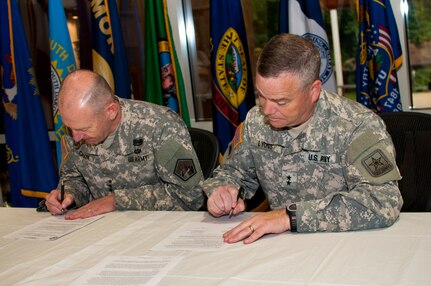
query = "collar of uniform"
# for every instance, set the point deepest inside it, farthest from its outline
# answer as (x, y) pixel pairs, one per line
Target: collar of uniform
(295, 131)
(110, 139)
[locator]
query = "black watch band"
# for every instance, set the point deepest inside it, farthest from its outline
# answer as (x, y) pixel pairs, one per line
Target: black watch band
(291, 212)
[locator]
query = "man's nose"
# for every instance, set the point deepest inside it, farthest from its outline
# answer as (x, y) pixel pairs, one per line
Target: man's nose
(268, 107)
(77, 136)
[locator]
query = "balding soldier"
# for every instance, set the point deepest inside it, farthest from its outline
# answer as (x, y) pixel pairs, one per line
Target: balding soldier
(325, 163)
(122, 154)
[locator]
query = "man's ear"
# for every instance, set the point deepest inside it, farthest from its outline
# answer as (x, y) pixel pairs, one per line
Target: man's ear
(315, 89)
(112, 110)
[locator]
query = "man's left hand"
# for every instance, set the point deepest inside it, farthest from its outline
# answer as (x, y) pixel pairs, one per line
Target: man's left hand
(93, 208)
(256, 226)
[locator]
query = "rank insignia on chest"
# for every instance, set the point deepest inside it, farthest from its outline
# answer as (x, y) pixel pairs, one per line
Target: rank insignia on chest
(185, 169)
(84, 155)
(137, 151)
(291, 179)
(136, 143)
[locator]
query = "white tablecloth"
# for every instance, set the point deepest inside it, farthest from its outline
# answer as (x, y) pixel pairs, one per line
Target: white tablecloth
(399, 255)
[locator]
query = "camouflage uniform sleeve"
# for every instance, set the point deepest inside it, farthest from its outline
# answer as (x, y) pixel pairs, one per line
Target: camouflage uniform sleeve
(178, 171)
(237, 167)
(372, 199)
(74, 182)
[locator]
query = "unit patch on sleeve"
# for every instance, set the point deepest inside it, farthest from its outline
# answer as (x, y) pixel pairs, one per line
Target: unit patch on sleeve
(181, 164)
(185, 169)
(377, 164)
(373, 158)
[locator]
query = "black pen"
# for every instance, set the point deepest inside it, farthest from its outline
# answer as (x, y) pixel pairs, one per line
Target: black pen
(62, 195)
(240, 193)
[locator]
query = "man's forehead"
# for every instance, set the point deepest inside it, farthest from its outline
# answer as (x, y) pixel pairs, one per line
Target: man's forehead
(77, 118)
(280, 87)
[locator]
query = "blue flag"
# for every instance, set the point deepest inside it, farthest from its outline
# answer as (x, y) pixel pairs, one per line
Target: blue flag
(233, 92)
(379, 57)
(30, 160)
(109, 54)
(62, 62)
(304, 18)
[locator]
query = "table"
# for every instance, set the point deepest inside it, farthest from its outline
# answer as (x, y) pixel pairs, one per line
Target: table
(398, 255)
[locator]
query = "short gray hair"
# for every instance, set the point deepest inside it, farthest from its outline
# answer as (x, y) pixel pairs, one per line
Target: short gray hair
(288, 53)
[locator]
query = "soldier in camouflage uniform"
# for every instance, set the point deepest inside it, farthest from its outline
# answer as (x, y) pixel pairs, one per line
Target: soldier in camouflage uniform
(122, 154)
(325, 163)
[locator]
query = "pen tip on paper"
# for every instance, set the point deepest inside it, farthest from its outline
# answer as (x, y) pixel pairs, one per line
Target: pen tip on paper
(231, 213)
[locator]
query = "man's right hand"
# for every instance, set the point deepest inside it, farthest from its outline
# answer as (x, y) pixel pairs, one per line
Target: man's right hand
(52, 202)
(223, 200)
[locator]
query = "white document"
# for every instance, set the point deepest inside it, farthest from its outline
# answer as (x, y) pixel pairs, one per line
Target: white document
(196, 236)
(129, 270)
(4, 243)
(51, 228)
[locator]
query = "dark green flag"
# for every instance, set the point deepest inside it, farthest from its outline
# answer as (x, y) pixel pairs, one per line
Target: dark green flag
(163, 78)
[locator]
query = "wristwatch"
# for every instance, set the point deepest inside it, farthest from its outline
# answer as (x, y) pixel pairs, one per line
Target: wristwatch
(291, 212)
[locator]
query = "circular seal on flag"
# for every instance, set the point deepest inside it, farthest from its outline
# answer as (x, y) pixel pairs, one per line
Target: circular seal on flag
(231, 66)
(325, 56)
(56, 82)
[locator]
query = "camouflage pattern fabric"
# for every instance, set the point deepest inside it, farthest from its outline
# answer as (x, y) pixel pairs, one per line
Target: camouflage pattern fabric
(340, 170)
(148, 163)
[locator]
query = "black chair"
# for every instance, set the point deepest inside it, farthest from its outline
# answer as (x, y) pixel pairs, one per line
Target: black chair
(207, 149)
(411, 134)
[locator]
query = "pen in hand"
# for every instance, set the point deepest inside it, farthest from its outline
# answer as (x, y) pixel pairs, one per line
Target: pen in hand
(240, 195)
(62, 195)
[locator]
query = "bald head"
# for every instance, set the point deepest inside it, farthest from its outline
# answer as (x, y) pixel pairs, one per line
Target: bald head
(88, 107)
(84, 89)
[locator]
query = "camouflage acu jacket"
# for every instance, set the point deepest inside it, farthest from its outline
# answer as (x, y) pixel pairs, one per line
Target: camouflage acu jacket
(150, 164)
(340, 170)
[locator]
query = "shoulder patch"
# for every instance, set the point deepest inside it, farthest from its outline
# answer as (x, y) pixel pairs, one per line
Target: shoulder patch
(237, 139)
(180, 163)
(377, 164)
(373, 158)
(185, 169)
